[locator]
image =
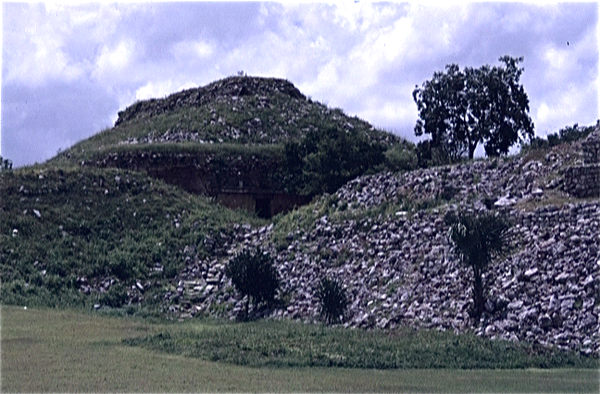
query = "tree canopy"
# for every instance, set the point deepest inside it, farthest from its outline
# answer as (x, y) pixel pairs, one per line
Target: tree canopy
(463, 108)
(323, 160)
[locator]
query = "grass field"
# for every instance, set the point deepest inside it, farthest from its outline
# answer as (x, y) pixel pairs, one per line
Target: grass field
(287, 344)
(70, 351)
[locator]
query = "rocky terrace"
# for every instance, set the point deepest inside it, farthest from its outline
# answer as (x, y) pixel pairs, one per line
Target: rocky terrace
(398, 267)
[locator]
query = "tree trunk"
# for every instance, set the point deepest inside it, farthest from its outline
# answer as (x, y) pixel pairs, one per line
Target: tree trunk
(471, 150)
(247, 307)
(478, 296)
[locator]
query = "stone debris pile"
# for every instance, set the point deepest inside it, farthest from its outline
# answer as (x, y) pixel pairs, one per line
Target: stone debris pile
(240, 110)
(399, 268)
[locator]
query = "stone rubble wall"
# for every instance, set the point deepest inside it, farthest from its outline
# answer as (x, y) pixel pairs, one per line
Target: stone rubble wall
(401, 271)
(591, 148)
(399, 268)
(584, 180)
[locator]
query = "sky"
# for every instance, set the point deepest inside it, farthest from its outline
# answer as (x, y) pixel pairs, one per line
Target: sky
(68, 69)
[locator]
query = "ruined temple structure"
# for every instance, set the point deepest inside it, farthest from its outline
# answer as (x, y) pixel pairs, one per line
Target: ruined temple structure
(253, 182)
(591, 147)
(227, 141)
(253, 189)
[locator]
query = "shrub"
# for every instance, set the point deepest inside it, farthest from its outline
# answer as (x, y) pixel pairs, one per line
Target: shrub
(431, 156)
(565, 135)
(115, 297)
(5, 164)
(254, 276)
(332, 300)
(401, 159)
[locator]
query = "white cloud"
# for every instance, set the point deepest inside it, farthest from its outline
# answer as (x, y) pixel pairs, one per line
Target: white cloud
(559, 63)
(192, 49)
(33, 48)
(574, 104)
(112, 61)
(161, 89)
(38, 44)
(389, 114)
(153, 90)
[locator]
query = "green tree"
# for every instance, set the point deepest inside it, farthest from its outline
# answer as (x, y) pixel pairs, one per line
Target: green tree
(478, 239)
(326, 159)
(461, 109)
(254, 276)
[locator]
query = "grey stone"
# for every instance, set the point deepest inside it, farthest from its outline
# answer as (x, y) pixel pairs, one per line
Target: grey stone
(545, 321)
(589, 321)
(530, 273)
(527, 314)
(505, 201)
(567, 304)
(586, 351)
(588, 282)
(489, 305)
(562, 278)
(515, 305)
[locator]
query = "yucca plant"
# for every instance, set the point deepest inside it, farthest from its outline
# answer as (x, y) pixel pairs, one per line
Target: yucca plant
(478, 240)
(332, 300)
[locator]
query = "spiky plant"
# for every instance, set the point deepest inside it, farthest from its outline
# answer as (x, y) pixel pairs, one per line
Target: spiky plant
(478, 240)
(332, 300)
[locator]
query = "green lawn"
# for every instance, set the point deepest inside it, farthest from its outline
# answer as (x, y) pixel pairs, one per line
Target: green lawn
(69, 351)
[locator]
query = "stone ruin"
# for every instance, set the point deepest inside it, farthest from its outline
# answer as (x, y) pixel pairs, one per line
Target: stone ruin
(584, 180)
(249, 181)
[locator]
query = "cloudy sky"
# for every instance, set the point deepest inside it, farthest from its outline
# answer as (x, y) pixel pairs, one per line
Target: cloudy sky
(68, 69)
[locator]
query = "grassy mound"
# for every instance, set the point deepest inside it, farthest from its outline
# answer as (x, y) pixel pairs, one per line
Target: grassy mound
(79, 235)
(264, 120)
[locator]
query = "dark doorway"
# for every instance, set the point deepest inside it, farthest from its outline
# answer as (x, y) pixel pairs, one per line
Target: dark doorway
(263, 208)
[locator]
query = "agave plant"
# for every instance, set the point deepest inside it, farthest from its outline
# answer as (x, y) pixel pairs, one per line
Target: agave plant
(332, 300)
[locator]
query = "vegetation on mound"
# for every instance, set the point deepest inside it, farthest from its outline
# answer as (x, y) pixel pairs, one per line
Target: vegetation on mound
(223, 118)
(565, 135)
(263, 117)
(304, 219)
(288, 344)
(65, 229)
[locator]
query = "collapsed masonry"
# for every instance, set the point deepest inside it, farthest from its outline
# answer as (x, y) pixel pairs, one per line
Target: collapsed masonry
(253, 181)
(584, 180)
